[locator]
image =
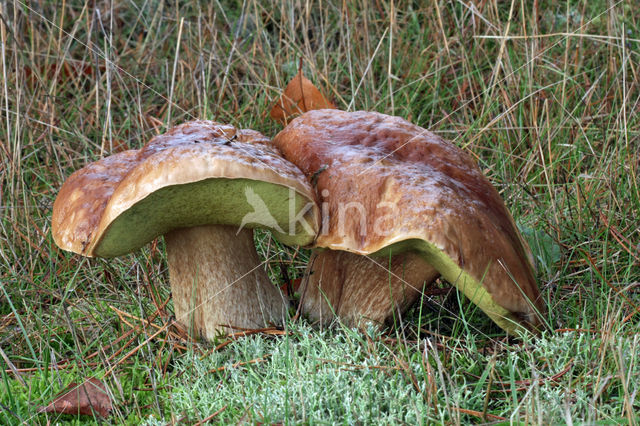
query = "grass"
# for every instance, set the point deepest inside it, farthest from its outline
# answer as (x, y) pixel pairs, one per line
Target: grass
(543, 94)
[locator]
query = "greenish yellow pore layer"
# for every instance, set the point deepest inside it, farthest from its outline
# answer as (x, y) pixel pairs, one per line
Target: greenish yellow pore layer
(470, 287)
(216, 201)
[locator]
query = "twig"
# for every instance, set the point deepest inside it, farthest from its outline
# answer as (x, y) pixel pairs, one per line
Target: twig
(478, 414)
(272, 331)
(211, 417)
(239, 364)
(136, 349)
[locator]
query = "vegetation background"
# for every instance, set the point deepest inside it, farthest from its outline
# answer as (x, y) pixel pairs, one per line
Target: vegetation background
(544, 94)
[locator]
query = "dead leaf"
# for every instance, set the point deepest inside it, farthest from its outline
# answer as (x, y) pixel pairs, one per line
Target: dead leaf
(299, 96)
(291, 286)
(88, 398)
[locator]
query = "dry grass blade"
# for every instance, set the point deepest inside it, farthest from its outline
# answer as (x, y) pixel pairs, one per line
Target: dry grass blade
(12, 368)
(524, 385)
(137, 348)
(211, 417)
(178, 334)
(353, 367)
(621, 239)
(635, 307)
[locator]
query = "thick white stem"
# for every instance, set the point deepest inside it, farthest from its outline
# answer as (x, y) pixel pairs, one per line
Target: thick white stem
(217, 281)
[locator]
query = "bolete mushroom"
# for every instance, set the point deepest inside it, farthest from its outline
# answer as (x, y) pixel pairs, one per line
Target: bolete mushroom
(354, 288)
(388, 186)
(202, 185)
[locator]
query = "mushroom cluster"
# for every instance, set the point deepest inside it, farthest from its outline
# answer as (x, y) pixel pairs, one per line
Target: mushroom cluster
(203, 186)
(388, 206)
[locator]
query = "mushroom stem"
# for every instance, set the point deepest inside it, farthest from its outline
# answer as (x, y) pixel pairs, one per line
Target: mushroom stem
(361, 289)
(218, 281)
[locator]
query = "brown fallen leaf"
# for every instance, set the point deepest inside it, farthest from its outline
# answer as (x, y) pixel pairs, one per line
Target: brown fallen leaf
(291, 286)
(299, 96)
(87, 398)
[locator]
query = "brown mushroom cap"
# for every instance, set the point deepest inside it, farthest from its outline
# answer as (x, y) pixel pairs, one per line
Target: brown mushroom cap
(83, 198)
(195, 174)
(388, 185)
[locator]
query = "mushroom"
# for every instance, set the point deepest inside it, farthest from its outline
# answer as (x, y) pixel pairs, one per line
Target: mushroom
(389, 187)
(354, 288)
(202, 185)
